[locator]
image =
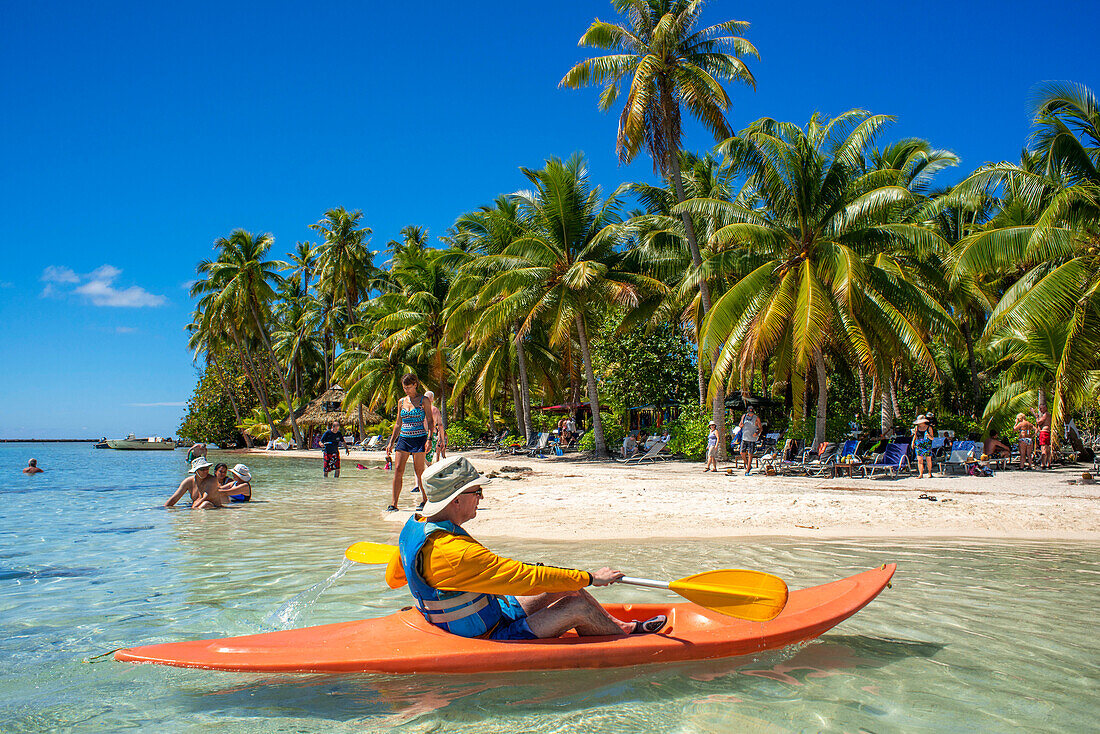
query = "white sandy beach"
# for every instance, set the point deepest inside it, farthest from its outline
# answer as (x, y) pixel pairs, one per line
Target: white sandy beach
(566, 499)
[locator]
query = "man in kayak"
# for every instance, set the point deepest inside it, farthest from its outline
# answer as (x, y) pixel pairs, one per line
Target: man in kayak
(463, 588)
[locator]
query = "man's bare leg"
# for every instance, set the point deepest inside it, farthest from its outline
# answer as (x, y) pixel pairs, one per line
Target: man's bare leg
(578, 610)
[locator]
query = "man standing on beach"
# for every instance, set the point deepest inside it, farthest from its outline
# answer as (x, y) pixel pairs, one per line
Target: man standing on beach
(463, 588)
(1042, 421)
(750, 434)
(331, 441)
(201, 485)
(32, 467)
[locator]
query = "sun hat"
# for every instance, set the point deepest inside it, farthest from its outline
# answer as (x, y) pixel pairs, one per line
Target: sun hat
(445, 480)
(199, 462)
(713, 423)
(920, 419)
(240, 471)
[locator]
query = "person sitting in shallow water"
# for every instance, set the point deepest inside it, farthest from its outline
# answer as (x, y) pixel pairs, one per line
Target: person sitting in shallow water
(463, 588)
(32, 467)
(200, 485)
(241, 490)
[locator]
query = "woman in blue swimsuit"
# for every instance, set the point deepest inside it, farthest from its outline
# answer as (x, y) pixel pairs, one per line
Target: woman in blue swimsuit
(242, 487)
(410, 434)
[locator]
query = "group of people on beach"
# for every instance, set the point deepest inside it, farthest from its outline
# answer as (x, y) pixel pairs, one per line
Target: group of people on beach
(212, 485)
(746, 435)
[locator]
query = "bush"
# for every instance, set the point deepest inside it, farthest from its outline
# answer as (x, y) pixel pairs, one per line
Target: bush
(689, 433)
(458, 438)
(613, 434)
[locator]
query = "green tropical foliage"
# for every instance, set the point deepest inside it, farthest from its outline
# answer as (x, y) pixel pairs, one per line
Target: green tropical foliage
(813, 262)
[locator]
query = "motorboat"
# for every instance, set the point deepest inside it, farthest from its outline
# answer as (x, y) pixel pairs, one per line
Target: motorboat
(132, 443)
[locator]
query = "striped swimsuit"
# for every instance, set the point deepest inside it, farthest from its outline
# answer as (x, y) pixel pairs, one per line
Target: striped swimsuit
(414, 431)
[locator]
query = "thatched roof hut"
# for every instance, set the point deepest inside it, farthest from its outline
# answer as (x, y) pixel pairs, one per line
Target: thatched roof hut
(330, 407)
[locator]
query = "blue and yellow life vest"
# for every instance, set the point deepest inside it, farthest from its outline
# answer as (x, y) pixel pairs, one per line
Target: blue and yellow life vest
(464, 613)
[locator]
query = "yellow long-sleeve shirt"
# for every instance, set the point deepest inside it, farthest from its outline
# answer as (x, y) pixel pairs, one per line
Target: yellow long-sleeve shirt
(459, 563)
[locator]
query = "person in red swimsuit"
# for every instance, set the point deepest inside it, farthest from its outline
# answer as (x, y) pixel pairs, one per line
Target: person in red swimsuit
(1042, 421)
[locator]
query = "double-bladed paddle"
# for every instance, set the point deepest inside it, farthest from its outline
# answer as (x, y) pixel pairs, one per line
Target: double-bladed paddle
(752, 595)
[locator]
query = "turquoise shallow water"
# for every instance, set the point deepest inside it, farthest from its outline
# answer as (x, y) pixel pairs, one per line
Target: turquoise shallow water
(990, 636)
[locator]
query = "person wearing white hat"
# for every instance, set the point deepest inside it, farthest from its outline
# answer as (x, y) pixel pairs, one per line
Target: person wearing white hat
(712, 448)
(463, 588)
(241, 491)
(201, 485)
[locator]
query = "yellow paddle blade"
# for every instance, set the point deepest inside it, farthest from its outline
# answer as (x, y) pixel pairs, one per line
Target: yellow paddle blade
(364, 552)
(752, 595)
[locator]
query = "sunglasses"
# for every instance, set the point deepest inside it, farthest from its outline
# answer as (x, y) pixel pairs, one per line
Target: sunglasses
(479, 492)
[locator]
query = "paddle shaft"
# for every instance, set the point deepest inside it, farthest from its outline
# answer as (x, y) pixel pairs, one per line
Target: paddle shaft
(648, 583)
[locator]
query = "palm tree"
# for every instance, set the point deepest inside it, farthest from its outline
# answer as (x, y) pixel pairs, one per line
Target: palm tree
(565, 267)
(815, 268)
(489, 231)
(669, 64)
(344, 264)
(240, 283)
(1048, 232)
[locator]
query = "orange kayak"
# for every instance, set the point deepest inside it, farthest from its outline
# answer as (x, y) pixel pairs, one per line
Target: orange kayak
(404, 643)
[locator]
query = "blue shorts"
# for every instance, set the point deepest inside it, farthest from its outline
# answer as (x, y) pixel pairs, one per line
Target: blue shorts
(411, 444)
(514, 625)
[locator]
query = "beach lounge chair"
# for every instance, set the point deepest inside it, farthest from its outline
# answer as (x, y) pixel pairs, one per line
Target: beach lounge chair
(796, 464)
(540, 445)
(960, 452)
(820, 465)
(649, 455)
(893, 461)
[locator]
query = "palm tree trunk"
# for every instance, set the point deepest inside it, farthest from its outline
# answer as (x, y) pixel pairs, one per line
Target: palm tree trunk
(972, 365)
(517, 409)
(894, 395)
(232, 398)
(822, 397)
(278, 373)
(702, 382)
(489, 405)
(862, 390)
(524, 387)
(250, 372)
(593, 396)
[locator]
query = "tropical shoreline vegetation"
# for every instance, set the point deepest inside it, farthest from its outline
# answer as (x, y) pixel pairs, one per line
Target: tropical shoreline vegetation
(810, 262)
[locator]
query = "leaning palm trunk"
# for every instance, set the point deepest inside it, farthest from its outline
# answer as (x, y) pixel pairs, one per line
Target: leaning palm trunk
(232, 399)
(593, 395)
(524, 386)
(279, 374)
(250, 372)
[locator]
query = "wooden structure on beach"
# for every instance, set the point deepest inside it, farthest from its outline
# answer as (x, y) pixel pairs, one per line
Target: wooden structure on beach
(329, 407)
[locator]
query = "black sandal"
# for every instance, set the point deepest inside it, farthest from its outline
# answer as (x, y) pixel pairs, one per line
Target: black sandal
(651, 625)
(391, 508)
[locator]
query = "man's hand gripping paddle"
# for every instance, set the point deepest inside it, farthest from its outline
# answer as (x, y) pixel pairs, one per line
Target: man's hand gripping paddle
(752, 595)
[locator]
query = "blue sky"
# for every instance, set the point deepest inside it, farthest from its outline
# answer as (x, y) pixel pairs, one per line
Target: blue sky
(135, 134)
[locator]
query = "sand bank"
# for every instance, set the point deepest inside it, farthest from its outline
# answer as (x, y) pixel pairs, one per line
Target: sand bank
(564, 499)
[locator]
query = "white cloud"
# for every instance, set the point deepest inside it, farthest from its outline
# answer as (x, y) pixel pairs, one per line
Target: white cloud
(59, 274)
(98, 287)
(125, 330)
(156, 405)
(188, 284)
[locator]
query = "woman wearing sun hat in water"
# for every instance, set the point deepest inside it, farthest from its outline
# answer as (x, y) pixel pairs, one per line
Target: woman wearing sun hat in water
(463, 588)
(241, 491)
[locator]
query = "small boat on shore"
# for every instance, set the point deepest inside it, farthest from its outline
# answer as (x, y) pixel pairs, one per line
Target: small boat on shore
(132, 443)
(404, 644)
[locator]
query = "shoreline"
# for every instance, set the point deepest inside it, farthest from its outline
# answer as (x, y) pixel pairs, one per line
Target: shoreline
(562, 499)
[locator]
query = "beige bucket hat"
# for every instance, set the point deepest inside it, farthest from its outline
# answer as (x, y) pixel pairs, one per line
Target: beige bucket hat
(445, 480)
